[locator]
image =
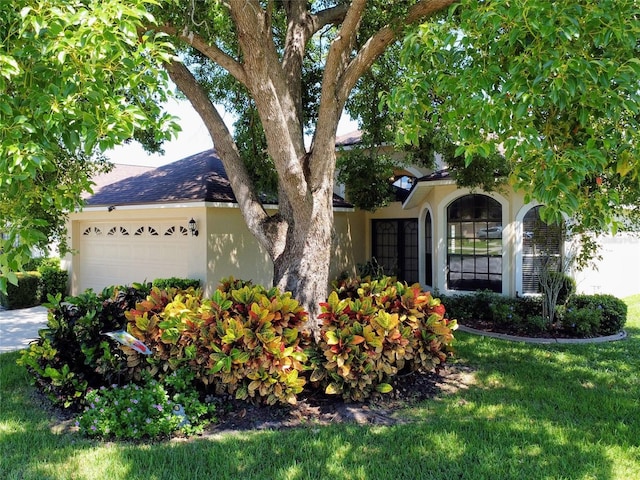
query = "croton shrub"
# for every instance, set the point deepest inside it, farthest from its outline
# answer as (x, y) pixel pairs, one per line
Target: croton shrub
(374, 330)
(245, 340)
(72, 353)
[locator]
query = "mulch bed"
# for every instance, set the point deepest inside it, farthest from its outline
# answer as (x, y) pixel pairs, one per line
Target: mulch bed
(321, 409)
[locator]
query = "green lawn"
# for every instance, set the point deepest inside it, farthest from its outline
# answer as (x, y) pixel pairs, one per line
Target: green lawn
(534, 412)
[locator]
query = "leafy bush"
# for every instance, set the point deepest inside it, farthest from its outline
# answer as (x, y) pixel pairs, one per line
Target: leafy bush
(459, 306)
(371, 269)
(583, 321)
(175, 282)
(504, 311)
(53, 280)
(535, 324)
(475, 305)
(529, 306)
(24, 294)
(152, 410)
(613, 311)
(72, 353)
(388, 328)
(33, 264)
(245, 340)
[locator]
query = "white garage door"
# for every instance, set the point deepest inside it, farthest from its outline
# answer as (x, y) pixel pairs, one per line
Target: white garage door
(132, 251)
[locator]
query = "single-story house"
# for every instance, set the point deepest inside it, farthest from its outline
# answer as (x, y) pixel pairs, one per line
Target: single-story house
(445, 237)
(179, 220)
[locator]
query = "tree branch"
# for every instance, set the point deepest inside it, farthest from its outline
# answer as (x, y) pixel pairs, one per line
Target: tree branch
(273, 97)
(376, 45)
(301, 26)
(212, 52)
(258, 221)
(331, 104)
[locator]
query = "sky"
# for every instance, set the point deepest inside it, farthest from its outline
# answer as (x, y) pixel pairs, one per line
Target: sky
(193, 138)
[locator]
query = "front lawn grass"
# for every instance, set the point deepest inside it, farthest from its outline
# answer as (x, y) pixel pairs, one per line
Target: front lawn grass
(532, 411)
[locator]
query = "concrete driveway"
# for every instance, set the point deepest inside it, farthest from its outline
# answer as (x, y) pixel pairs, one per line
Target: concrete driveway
(19, 327)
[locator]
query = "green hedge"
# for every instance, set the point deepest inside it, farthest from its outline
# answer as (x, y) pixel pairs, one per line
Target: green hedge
(582, 315)
(53, 280)
(176, 282)
(23, 295)
(45, 276)
(609, 310)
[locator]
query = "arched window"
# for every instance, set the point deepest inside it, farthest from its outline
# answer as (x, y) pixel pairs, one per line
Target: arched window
(474, 244)
(541, 245)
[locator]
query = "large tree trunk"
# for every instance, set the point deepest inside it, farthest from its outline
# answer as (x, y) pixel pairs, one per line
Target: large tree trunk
(299, 237)
(303, 267)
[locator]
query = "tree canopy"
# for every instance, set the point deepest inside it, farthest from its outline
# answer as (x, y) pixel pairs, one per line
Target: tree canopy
(554, 86)
(75, 79)
(292, 64)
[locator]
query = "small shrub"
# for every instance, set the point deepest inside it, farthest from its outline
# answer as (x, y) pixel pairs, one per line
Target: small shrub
(529, 306)
(72, 353)
(371, 270)
(484, 305)
(24, 294)
(388, 328)
(613, 311)
(152, 410)
(33, 264)
(175, 282)
(53, 280)
(459, 306)
(584, 322)
(535, 324)
(504, 311)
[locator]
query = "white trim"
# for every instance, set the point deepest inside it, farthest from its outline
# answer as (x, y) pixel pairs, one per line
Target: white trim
(518, 245)
(148, 206)
(425, 187)
(519, 238)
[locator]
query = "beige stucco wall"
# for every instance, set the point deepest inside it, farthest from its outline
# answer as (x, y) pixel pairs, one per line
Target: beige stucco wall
(224, 246)
(231, 249)
(350, 243)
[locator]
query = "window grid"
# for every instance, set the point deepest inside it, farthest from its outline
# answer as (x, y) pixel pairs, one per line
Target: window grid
(474, 244)
(395, 247)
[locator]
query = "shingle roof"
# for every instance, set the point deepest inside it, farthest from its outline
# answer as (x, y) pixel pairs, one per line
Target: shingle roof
(443, 174)
(198, 178)
(348, 139)
(117, 173)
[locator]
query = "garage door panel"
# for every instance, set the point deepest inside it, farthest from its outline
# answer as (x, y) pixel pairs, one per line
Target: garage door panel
(132, 251)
